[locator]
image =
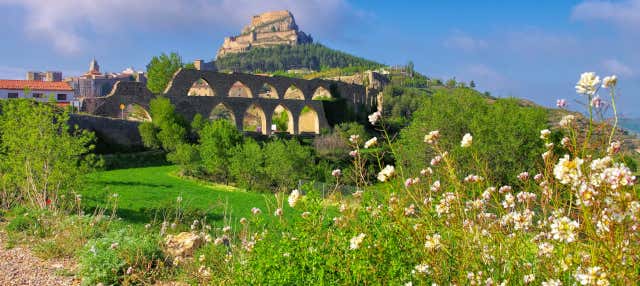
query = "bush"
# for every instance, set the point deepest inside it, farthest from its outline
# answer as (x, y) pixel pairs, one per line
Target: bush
(247, 165)
(286, 162)
(124, 256)
(508, 133)
(22, 223)
(217, 140)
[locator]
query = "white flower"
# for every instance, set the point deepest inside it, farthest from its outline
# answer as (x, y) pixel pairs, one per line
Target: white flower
(588, 83)
(596, 102)
(336, 173)
(544, 134)
(552, 282)
(294, 197)
(256, 211)
(386, 173)
(179, 199)
(467, 139)
(618, 176)
(609, 81)
(568, 171)
(371, 142)
(432, 137)
(353, 153)
(426, 172)
(435, 186)
(591, 276)
(354, 138)
(432, 242)
(567, 120)
(374, 117)
(355, 242)
(278, 212)
(561, 103)
(529, 278)
(422, 268)
(563, 229)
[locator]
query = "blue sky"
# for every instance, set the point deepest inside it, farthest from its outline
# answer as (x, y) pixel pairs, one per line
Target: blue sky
(530, 49)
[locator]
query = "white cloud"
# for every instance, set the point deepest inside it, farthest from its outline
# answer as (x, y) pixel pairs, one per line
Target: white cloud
(616, 67)
(464, 42)
(71, 24)
(624, 14)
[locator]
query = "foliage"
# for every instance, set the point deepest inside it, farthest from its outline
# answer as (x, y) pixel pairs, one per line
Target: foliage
(247, 165)
(509, 133)
(160, 70)
(286, 162)
(217, 140)
(121, 257)
(400, 103)
(311, 56)
(42, 159)
(186, 156)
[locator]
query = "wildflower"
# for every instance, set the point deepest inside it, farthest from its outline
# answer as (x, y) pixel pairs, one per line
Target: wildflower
(409, 182)
(411, 210)
(427, 171)
(609, 81)
(544, 134)
(509, 201)
(568, 171)
(562, 229)
(432, 137)
(305, 214)
(336, 173)
(353, 153)
(355, 242)
(256, 211)
(614, 147)
(618, 176)
(294, 197)
(114, 245)
(179, 199)
(226, 229)
(147, 226)
(432, 242)
(129, 270)
(467, 139)
(549, 145)
(565, 142)
(529, 278)
(371, 142)
(354, 138)
(473, 179)
(243, 221)
(204, 271)
(278, 212)
(523, 176)
(596, 102)
(561, 103)
(115, 195)
(435, 186)
(567, 120)
(386, 173)
(591, 276)
(552, 282)
(505, 189)
(374, 117)
(524, 197)
(588, 83)
(546, 155)
(436, 160)
(601, 164)
(545, 249)
(422, 268)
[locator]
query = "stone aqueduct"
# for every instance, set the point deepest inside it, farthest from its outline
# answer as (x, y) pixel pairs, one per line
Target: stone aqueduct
(242, 96)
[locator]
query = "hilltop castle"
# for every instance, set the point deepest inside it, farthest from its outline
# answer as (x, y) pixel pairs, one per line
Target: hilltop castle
(266, 30)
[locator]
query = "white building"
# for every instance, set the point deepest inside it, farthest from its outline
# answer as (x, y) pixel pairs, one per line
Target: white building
(43, 91)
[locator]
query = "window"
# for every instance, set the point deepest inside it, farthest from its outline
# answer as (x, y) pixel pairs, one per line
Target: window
(37, 95)
(12, 95)
(62, 97)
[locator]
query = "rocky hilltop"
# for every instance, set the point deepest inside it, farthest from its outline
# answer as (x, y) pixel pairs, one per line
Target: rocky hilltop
(266, 30)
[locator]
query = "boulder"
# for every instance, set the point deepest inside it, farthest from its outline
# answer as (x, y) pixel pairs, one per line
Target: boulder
(184, 244)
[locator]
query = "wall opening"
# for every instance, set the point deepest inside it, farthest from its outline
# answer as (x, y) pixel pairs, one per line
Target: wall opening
(282, 120)
(221, 111)
(293, 92)
(238, 89)
(322, 93)
(268, 91)
(135, 112)
(308, 121)
(201, 88)
(254, 120)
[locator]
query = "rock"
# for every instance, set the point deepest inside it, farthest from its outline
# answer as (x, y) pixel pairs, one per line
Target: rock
(266, 30)
(183, 244)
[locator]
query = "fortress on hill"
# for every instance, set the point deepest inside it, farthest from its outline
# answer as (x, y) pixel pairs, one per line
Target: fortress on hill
(266, 30)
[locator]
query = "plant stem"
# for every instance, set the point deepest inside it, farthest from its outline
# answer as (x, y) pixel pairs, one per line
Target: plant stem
(615, 114)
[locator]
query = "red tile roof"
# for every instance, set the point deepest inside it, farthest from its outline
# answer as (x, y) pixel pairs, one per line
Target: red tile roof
(34, 85)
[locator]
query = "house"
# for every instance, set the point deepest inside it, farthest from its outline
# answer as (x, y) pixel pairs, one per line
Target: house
(43, 91)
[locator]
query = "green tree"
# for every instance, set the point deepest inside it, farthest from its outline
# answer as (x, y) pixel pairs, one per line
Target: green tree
(160, 70)
(217, 140)
(42, 160)
(472, 84)
(167, 129)
(247, 164)
(286, 162)
(187, 157)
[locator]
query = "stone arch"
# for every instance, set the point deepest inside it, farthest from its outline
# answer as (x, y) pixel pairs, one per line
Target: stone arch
(222, 111)
(254, 120)
(308, 121)
(239, 89)
(135, 112)
(201, 88)
(293, 92)
(282, 119)
(322, 93)
(268, 91)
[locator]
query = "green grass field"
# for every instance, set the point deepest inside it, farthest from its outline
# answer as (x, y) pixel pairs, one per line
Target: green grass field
(146, 193)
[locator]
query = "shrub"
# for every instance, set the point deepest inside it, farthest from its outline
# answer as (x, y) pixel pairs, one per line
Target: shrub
(247, 165)
(286, 162)
(124, 256)
(217, 140)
